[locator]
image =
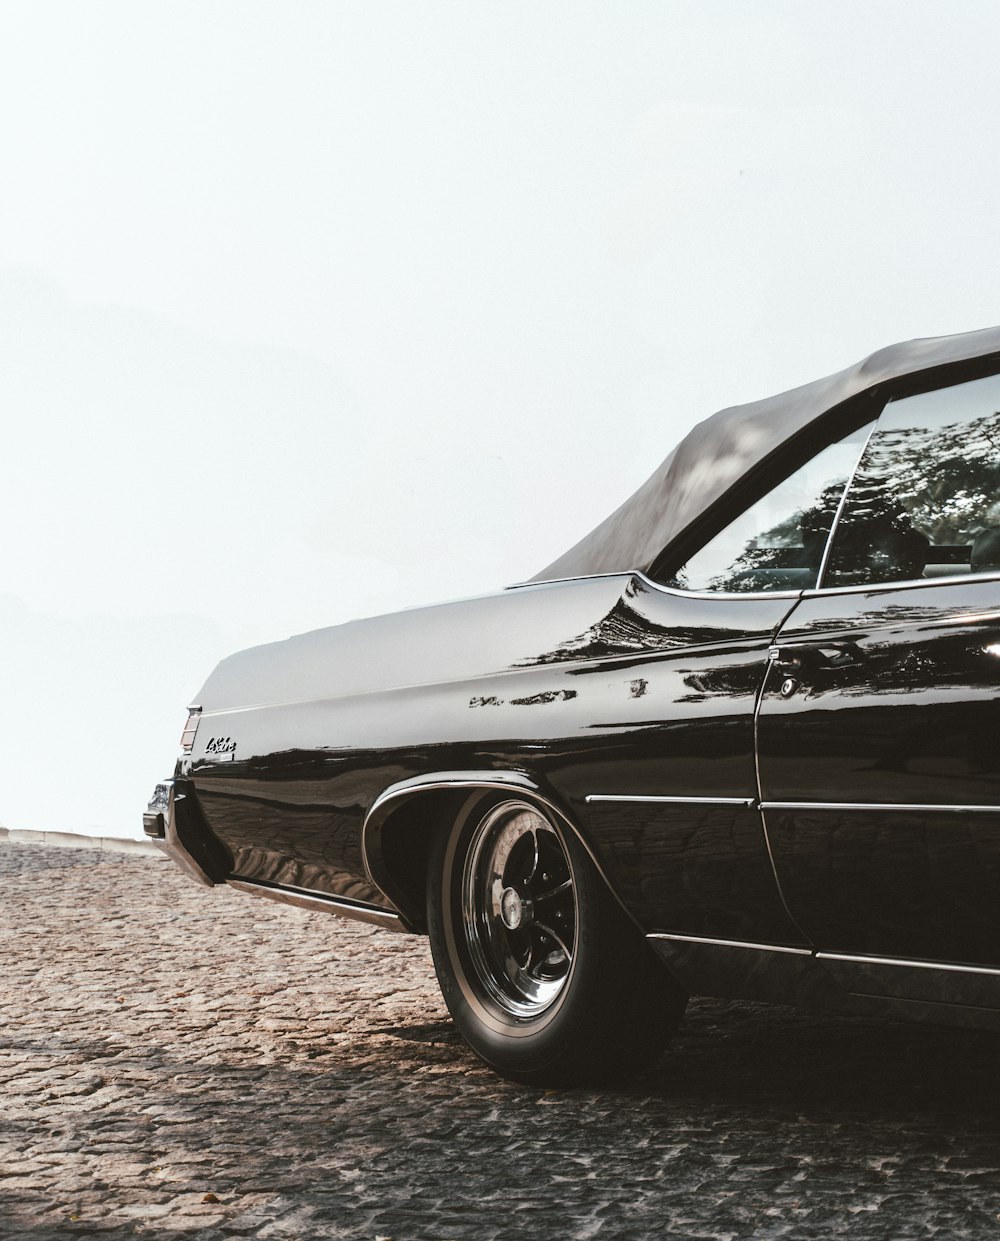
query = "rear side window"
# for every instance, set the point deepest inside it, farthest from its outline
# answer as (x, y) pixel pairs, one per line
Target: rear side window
(778, 543)
(925, 500)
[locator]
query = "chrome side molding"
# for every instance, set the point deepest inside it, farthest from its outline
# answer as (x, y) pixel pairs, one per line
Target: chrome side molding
(681, 801)
(843, 957)
(918, 807)
(895, 807)
(730, 943)
(906, 963)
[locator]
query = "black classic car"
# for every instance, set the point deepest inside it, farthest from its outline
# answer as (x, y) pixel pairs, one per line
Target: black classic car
(741, 740)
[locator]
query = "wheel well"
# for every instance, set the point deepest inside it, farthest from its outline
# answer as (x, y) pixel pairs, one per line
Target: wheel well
(398, 846)
(402, 849)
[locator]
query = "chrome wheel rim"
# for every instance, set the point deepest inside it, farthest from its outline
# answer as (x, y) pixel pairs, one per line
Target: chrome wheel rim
(519, 911)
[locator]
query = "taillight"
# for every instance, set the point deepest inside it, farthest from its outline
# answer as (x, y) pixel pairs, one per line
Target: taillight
(190, 728)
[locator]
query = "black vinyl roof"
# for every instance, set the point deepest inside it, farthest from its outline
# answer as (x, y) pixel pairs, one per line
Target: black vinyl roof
(720, 452)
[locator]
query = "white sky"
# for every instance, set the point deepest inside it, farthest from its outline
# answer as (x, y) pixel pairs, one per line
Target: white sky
(313, 310)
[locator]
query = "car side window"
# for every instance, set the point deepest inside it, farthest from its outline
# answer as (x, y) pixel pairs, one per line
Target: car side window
(925, 499)
(778, 542)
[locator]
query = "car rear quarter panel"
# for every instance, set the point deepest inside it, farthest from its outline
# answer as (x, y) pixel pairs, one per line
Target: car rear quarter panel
(604, 686)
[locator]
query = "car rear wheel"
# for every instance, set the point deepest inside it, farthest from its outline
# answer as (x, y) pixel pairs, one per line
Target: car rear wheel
(544, 975)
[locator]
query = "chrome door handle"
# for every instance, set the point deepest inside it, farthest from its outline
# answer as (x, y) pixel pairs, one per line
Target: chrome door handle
(814, 655)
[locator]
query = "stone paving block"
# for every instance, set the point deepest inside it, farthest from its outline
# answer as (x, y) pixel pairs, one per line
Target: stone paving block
(160, 1042)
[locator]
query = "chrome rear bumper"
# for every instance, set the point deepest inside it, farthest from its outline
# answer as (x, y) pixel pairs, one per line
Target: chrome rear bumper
(168, 825)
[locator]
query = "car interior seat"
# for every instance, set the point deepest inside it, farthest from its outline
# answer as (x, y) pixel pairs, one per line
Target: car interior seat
(985, 555)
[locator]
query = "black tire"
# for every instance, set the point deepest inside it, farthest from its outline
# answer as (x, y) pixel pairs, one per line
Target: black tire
(544, 975)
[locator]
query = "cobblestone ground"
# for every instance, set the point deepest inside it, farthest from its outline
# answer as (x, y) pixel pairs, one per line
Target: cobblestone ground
(177, 1061)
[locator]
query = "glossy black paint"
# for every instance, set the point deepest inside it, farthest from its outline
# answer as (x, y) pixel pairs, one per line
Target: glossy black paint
(658, 698)
(654, 698)
(909, 719)
(795, 794)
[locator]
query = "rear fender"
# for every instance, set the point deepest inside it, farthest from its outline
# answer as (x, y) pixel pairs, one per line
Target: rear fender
(397, 832)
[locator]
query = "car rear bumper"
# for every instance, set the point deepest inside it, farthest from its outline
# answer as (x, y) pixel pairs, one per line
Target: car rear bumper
(173, 822)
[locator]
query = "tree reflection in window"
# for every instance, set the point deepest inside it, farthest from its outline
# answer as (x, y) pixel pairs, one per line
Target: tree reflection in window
(788, 555)
(927, 490)
(778, 543)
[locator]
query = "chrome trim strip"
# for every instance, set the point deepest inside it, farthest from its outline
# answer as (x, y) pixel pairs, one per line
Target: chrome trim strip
(577, 577)
(920, 965)
(923, 808)
(730, 943)
(667, 590)
(881, 588)
(694, 801)
(718, 594)
(328, 904)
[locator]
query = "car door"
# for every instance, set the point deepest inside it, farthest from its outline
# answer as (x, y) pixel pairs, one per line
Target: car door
(667, 781)
(877, 729)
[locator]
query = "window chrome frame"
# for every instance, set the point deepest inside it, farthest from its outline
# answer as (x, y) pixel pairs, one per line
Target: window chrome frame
(910, 583)
(714, 594)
